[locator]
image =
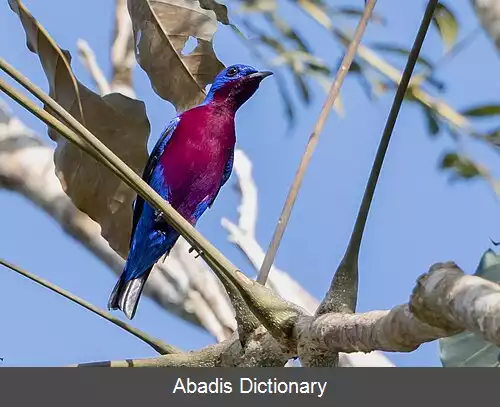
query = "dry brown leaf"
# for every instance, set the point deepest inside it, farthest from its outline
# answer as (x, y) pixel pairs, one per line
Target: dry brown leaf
(38, 40)
(161, 30)
(118, 121)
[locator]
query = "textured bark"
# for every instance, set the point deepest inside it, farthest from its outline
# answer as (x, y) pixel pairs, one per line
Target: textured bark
(447, 298)
(444, 302)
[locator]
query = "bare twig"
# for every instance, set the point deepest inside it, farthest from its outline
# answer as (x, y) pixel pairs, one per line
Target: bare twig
(158, 345)
(342, 295)
(89, 61)
(313, 140)
(122, 51)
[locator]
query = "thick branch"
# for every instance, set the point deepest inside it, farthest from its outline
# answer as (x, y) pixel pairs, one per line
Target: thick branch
(445, 302)
(447, 298)
(397, 330)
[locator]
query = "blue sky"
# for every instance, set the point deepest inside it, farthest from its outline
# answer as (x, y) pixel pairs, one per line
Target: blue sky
(418, 216)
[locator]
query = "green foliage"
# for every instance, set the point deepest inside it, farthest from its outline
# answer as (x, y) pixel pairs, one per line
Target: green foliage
(447, 25)
(483, 111)
(461, 165)
(467, 349)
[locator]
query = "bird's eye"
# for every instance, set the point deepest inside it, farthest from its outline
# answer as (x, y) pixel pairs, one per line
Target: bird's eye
(232, 71)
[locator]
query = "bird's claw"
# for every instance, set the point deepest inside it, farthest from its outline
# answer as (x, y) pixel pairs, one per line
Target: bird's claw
(159, 216)
(198, 252)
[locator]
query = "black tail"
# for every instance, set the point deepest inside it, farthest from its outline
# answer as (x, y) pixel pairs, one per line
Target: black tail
(126, 294)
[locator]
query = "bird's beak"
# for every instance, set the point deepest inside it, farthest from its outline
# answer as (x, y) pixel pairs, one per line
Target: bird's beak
(260, 75)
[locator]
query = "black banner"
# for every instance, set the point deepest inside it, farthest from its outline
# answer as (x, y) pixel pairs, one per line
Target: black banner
(346, 387)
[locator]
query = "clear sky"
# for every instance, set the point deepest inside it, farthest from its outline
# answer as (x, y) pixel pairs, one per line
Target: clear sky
(418, 216)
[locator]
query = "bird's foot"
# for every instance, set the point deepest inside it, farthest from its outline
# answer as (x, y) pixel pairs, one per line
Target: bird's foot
(158, 216)
(198, 252)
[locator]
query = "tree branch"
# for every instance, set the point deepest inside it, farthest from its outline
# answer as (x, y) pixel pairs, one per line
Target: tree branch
(243, 236)
(122, 51)
(444, 302)
(89, 61)
(158, 345)
(260, 350)
(445, 297)
(206, 357)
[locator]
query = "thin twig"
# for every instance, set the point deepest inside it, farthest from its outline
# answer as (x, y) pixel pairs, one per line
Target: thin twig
(122, 51)
(313, 141)
(342, 295)
(158, 345)
(89, 61)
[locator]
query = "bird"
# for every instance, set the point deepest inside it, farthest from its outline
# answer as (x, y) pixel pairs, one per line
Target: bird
(189, 164)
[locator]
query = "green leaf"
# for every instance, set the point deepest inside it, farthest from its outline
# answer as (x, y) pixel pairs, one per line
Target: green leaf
(432, 121)
(493, 137)
(302, 86)
(447, 25)
(482, 111)
(462, 166)
(467, 349)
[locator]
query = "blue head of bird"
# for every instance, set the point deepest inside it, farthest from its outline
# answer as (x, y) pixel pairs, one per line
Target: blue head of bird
(234, 85)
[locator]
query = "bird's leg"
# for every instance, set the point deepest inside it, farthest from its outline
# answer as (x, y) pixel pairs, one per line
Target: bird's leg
(158, 216)
(198, 252)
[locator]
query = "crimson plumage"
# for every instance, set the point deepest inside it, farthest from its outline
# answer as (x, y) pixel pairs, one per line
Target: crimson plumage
(191, 161)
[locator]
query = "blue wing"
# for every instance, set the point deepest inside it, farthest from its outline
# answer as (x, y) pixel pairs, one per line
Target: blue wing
(150, 166)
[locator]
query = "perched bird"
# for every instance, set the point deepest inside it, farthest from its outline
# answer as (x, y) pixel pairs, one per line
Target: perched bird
(189, 164)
